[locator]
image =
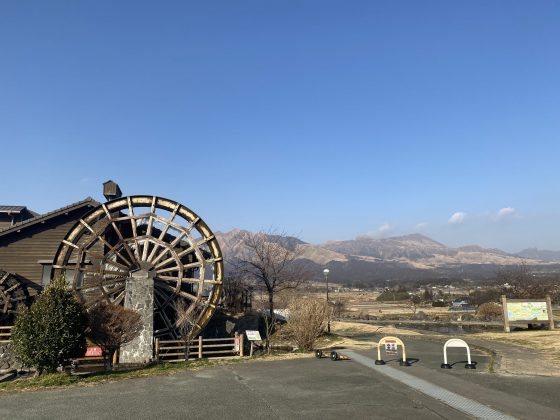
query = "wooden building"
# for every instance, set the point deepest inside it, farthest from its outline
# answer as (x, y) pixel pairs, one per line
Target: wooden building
(11, 215)
(27, 247)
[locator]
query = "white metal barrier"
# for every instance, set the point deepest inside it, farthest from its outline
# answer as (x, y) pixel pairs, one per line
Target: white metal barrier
(457, 342)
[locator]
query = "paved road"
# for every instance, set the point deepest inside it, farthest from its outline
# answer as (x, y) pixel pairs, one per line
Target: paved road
(296, 389)
(302, 388)
(519, 396)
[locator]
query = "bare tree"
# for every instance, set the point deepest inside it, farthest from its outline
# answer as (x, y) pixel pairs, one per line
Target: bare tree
(237, 292)
(112, 326)
(413, 303)
(186, 323)
(307, 321)
(519, 283)
(271, 263)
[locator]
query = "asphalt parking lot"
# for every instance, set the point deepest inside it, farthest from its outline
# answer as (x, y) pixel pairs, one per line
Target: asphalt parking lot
(299, 388)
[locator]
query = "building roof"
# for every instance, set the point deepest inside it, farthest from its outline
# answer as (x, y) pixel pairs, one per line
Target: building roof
(43, 217)
(11, 209)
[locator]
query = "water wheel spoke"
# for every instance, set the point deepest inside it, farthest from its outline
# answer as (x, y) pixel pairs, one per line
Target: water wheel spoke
(195, 264)
(168, 278)
(178, 255)
(104, 242)
(118, 232)
(169, 270)
(154, 261)
(188, 295)
(117, 300)
(166, 299)
(4, 278)
(134, 227)
(105, 259)
(149, 229)
(9, 289)
(167, 322)
(168, 223)
(101, 282)
(166, 286)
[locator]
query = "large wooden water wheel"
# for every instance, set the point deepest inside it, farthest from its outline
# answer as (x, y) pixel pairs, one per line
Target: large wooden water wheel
(13, 292)
(160, 236)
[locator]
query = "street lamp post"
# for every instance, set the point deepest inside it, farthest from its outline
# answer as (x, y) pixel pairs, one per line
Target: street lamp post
(326, 272)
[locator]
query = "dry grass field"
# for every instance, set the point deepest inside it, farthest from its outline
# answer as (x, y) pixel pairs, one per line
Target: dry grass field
(546, 340)
(365, 303)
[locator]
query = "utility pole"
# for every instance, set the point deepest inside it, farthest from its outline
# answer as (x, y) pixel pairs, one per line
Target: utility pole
(326, 272)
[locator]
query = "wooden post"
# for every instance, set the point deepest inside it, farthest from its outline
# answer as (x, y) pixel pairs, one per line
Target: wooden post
(200, 347)
(156, 349)
(505, 311)
(550, 314)
(115, 357)
(241, 340)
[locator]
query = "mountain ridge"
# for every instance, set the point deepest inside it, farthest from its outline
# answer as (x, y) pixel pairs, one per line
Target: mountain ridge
(406, 257)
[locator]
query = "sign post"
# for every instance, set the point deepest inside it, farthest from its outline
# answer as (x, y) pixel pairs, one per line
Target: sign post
(391, 345)
(253, 335)
(457, 342)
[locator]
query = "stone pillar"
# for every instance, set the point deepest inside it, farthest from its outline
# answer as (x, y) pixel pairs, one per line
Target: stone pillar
(139, 295)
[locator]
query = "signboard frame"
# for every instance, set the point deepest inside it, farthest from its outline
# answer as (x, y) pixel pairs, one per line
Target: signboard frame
(508, 322)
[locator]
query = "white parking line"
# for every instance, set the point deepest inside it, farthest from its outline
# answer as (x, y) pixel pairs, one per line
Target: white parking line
(465, 405)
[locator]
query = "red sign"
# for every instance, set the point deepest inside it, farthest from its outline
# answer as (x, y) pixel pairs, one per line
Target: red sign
(94, 352)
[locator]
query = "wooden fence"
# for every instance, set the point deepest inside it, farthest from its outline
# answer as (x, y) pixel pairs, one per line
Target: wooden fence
(5, 334)
(167, 351)
(172, 351)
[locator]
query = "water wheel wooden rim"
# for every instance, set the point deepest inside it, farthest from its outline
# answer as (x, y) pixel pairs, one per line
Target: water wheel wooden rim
(100, 252)
(13, 292)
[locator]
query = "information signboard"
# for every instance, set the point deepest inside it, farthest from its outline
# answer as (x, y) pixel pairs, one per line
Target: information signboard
(253, 335)
(527, 311)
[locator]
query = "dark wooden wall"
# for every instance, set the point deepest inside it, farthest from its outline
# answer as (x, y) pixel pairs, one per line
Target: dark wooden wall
(19, 252)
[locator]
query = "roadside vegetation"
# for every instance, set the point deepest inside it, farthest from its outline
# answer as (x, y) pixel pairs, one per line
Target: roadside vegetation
(52, 331)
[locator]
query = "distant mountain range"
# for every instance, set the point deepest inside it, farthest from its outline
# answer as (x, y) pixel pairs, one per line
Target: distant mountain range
(400, 258)
(540, 254)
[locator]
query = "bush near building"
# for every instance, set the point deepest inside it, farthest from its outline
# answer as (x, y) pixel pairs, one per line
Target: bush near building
(52, 331)
(489, 311)
(112, 326)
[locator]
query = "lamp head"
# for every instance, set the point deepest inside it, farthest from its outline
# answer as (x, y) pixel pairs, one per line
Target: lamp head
(326, 271)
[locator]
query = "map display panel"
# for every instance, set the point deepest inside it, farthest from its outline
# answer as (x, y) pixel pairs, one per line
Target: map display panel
(527, 311)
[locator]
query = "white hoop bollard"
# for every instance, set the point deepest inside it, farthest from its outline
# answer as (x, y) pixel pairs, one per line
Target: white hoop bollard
(391, 345)
(457, 342)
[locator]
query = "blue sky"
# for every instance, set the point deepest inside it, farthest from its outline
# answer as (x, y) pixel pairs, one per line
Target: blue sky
(329, 119)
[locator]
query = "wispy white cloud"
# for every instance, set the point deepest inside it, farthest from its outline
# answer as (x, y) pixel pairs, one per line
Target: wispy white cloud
(421, 225)
(457, 218)
(384, 227)
(506, 213)
(384, 230)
